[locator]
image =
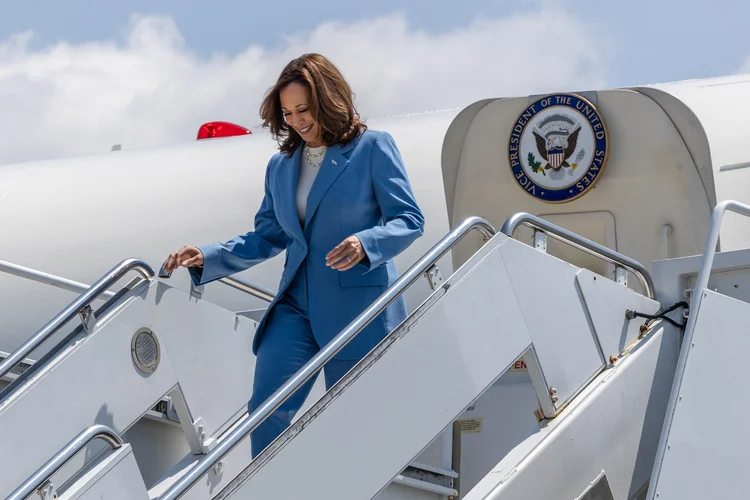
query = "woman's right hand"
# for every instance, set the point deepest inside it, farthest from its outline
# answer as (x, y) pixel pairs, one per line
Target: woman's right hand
(187, 256)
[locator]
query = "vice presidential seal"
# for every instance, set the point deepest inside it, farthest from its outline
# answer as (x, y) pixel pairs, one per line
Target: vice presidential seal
(558, 148)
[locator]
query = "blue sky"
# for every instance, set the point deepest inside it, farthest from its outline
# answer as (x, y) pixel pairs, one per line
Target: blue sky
(81, 75)
(656, 40)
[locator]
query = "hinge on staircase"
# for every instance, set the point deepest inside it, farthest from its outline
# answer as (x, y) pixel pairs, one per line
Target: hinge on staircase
(164, 409)
(47, 491)
(621, 275)
(688, 293)
(88, 319)
(196, 291)
(205, 442)
(218, 467)
(434, 277)
(540, 241)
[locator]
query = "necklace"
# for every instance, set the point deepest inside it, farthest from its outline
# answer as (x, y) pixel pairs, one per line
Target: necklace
(314, 159)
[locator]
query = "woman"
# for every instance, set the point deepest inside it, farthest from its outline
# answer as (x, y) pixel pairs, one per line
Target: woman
(338, 200)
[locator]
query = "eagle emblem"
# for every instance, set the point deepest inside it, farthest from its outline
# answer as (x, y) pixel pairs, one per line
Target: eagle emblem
(556, 139)
(558, 147)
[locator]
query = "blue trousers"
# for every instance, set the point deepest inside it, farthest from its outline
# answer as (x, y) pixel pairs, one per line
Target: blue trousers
(287, 344)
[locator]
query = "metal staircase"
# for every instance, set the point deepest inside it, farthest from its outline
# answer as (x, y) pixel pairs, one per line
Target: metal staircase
(150, 341)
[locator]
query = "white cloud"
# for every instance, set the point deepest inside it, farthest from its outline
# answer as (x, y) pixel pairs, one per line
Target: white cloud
(153, 90)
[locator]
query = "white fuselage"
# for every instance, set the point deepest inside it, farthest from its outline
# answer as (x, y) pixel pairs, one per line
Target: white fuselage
(78, 217)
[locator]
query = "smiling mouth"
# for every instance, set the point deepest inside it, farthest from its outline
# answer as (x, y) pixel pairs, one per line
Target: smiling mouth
(305, 130)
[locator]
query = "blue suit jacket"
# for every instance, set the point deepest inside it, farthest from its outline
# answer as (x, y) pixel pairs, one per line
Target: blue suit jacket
(361, 189)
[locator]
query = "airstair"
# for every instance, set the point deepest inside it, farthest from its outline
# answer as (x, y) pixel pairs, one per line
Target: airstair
(600, 379)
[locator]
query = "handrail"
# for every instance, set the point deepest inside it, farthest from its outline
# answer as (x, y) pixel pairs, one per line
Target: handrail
(581, 243)
(249, 288)
(712, 240)
(63, 456)
(701, 284)
(75, 307)
(252, 421)
(238, 284)
(46, 278)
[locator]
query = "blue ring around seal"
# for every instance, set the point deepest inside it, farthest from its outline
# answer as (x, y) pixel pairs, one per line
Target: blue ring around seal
(599, 160)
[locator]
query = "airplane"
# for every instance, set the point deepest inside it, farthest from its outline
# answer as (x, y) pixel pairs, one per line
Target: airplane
(615, 186)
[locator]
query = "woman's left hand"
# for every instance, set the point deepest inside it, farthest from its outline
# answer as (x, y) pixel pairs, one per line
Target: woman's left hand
(346, 254)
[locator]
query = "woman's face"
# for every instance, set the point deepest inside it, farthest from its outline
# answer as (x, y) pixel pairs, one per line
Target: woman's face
(295, 99)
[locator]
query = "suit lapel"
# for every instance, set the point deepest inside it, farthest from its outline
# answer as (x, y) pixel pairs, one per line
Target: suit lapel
(333, 164)
(289, 177)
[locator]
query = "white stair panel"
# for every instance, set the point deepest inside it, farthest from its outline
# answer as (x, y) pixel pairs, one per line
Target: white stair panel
(565, 343)
(211, 353)
(613, 425)
(385, 412)
(606, 302)
(706, 439)
(94, 382)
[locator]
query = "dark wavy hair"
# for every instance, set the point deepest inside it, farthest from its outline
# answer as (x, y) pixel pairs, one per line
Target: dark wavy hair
(331, 103)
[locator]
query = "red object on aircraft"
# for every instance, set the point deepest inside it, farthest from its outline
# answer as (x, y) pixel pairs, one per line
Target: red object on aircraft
(220, 129)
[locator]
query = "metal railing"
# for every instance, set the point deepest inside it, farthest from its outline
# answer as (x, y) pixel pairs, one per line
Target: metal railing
(701, 285)
(37, 480)
(709, 252)
(236, 283)
(250, 422)
(80, 306)
(249, 288)
(45, 278)
(584, 244)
